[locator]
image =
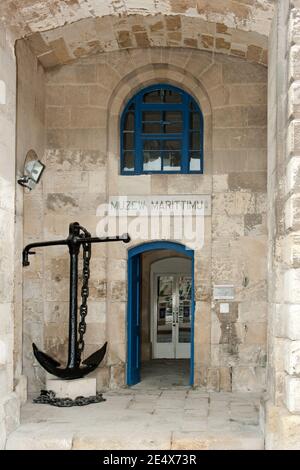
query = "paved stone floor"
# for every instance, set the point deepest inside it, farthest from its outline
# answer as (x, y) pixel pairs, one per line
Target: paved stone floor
(165, 373)
(147, 417)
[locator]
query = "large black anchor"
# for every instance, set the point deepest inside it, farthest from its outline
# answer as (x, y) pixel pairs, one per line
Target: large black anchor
(78, 236)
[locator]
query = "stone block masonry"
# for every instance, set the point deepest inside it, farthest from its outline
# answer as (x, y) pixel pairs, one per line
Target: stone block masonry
(9, 401)
(291, 366)
(282, 416)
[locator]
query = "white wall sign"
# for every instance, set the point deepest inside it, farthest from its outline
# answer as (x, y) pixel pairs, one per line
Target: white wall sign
(2, 92)
(223, 292)
(160, 205)
(224, 308)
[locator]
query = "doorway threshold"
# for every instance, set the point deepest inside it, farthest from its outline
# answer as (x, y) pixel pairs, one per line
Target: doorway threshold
(165, 374)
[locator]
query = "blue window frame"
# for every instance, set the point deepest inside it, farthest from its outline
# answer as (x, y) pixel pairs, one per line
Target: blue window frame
(161, 132)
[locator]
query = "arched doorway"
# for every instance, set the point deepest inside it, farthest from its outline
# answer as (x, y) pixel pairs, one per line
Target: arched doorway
(133, 373)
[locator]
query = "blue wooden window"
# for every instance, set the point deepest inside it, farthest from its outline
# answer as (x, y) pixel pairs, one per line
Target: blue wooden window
(161, 132)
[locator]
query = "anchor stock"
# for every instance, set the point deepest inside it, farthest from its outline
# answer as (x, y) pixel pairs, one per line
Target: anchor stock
(78, 236)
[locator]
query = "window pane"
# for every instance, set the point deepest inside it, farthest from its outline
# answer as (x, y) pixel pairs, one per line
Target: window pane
(195, 121)
(171, 161)
(173, 116)
(173, 128)
(165, 96)
(151, 144)
(151, 122)
(172, 144)
(173, 122)
(152, 116)
(129, 122)
(152, 97)
(152, 161)
(195, 162)
(128, 140)
(164, 309)
(185, 304)
(128, 164)
(171, 96)
(195, 141)
(152, 128)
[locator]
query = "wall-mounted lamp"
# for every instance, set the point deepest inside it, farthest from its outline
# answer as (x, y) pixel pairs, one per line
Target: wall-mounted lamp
(33, 169)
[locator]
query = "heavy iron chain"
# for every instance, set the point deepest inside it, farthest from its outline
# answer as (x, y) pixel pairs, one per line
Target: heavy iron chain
(83, 310)
(48, 397)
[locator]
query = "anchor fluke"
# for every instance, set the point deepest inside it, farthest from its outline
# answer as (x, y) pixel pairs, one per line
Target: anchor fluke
(53, 367)
(43, 358)
(96, 357)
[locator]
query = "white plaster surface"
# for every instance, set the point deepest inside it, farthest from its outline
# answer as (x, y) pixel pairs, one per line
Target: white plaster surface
(85, 387)
(2, 92)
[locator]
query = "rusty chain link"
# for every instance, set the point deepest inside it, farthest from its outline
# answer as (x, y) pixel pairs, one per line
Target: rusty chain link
(48, 397)
(83, 310)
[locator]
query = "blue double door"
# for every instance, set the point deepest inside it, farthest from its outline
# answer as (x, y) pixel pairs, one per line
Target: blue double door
(134, 325)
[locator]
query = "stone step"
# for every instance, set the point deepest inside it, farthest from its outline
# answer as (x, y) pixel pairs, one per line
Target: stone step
(54, 436)
(164, 420)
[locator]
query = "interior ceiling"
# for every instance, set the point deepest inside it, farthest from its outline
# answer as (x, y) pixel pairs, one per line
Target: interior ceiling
(60, 31)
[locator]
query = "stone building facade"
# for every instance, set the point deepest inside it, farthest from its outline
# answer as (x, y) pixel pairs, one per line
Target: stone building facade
(83, 105)
(72, 84)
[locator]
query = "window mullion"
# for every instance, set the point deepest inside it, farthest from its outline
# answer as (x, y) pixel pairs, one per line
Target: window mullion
(185, 135)
(122, 139)
(201, 142)
(138, 157)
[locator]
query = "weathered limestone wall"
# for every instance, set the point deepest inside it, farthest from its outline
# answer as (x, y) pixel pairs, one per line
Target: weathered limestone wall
(111, 33)
(80, 28)
(84, 101)
(283, 408)
(41, 15)
(9, 402)
(30, 135)
(277, 126)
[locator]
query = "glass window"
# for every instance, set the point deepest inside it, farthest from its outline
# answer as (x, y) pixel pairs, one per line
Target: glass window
(162, 132)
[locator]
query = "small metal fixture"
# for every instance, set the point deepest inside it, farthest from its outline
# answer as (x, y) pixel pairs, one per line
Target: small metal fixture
(33, 169)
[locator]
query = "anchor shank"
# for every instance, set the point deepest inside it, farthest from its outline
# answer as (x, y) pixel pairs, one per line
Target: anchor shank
(72, 353)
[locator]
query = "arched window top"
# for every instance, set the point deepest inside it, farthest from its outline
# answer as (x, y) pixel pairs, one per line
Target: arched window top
(161, 132)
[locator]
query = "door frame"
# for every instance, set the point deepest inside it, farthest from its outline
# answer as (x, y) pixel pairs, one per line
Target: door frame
(134, 254)
(158, 269)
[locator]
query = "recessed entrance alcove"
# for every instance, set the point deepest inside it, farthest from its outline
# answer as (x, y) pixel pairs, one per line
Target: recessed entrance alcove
(177, 102)
(164, 313)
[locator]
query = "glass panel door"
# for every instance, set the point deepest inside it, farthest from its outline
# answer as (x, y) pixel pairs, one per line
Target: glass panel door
(164, 309)
(184, 298)
(164, 325)
(172, 316)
